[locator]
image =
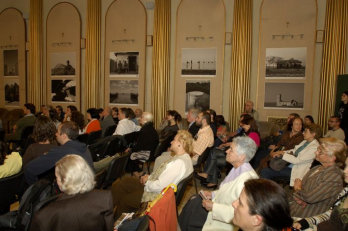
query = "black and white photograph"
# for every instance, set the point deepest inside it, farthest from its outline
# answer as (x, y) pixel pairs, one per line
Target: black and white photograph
(10, 62)
(124, 64)
(63, 90)
(11, 92)
(286, 63)
(200, 62)
(63, 64)
(124, 92)
(197, 94)
(284, 95)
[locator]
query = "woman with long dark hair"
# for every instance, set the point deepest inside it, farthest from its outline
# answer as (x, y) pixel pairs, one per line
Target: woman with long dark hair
(173, 118)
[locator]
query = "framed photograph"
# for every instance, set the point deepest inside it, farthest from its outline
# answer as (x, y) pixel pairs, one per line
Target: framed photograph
(63, 64)
(197, 94)
(11, 63)
(11, 92)
(124, 64)
(319, 36)
(286, 63)
(198, 62)
(124, 92)
(284, 96)
(63, 90)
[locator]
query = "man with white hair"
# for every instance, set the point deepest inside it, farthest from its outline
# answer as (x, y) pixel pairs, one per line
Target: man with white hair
(249, 109)
(191, 119)
(107, 121)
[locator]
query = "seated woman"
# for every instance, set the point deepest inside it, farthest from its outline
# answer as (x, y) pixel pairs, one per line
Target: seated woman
(210, 174)
(44, 135)
(300, 158)
(54, 117)
(216, 212)
(308, 119)
(93, 118)
(321, 185)
(114, 113)
(221, 130)
(9, 164)
(262, 205)
(79, 119)
(173, 118)
(332, 219)
(130, 192)
(131, 116)
(80, 207)
(291, 137)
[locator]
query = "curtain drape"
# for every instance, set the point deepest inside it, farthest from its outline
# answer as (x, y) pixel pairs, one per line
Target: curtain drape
(334, 57)
(92, 96)
(161, 60)
(36, 90)
(241, 59)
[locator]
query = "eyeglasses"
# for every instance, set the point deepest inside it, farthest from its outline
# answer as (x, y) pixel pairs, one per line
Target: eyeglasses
(320, 151)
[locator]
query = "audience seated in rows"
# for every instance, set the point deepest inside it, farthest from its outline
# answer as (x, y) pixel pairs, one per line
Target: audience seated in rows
(216, 213)
(80, 207)
(308, 119)
(318, 189)
(249, 109)
(60, 112)
(78, 118)
(114, 113)
(107, 120)
(27, 120)
(138, 112)
(93, 121)
(131, 116)
(291, 136)
(333, 218)
(44, 135)
(66, 137)
(52, 114)
(130, 192)
(125, 125)
(9, 164)
(212, 124)
(300, 158)
(69, 109)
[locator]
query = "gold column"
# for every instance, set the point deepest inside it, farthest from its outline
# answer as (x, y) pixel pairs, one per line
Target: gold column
(161, 60)
(36, 90)
(334, 56)
(241, 59)
(92, 95)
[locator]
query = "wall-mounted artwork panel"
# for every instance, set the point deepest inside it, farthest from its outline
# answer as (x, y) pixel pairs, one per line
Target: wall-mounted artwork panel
(286, 57)
(125, 43)
(12, 59)
(63, 56)
(197, 94)
(199, 53)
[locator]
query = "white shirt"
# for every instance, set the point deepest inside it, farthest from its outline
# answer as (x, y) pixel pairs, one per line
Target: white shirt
(175, 171)
(126, 126)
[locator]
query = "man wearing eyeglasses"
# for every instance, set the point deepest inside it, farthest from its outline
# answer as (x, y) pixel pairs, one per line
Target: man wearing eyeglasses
(335, 130)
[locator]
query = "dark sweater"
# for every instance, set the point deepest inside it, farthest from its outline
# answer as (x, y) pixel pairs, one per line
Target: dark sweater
(47, 162)
(148, 137)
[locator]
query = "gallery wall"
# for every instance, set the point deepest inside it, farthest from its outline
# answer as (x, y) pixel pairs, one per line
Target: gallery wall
(256, 94)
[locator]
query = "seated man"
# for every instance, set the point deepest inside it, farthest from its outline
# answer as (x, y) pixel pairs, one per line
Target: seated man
(125, 125)
(335, 130)
(191, 119)
(66, 137)
(28, 120)
(107, 121)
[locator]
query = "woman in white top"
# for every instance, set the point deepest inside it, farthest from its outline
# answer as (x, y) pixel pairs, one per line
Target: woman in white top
(130, 192)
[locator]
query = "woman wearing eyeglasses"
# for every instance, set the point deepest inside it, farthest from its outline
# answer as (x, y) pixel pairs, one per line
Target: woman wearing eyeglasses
(318, 189)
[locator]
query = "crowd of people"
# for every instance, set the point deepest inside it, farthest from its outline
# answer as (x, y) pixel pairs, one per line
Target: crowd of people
(309, 161)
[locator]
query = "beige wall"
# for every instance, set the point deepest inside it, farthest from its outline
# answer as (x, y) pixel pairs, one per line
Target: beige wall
(23, 6)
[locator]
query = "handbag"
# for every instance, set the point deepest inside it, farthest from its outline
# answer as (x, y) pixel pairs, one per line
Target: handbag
(277, 164)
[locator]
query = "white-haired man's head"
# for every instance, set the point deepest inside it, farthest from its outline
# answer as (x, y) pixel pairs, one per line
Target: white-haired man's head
(146, 117)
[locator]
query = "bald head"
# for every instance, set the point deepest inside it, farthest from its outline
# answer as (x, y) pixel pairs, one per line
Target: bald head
(248, 106)
(138, 113)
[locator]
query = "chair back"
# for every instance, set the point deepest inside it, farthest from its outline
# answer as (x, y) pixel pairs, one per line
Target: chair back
(83, 138)
(202, 158)
(9, 187)
(110, 130)
(26, 132)
(99, 178)
(93, 137)
(131, 139)
(112, 147)
(2, 135)
(164, 145)
(181, 188)
(116, 170)
(144, 224)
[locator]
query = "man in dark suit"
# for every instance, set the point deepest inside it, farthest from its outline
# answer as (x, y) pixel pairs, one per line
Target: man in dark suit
(191, 119)
(107, 121)
(66, 137)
